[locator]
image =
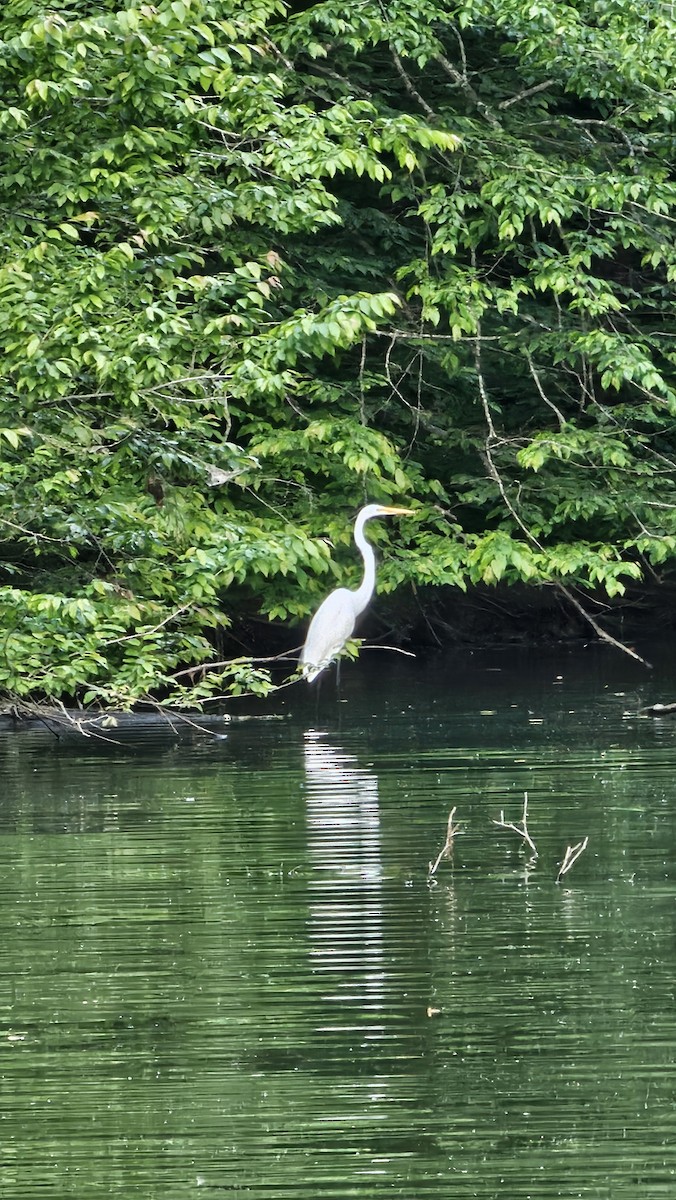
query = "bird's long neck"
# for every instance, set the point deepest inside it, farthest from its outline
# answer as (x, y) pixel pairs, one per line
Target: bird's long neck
(363, 593)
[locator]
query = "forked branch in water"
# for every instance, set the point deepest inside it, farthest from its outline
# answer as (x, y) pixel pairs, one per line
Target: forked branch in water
(522, 828)
(447, 848)
(571, 856)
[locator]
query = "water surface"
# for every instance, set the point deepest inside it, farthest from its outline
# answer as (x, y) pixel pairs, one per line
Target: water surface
(225, 969)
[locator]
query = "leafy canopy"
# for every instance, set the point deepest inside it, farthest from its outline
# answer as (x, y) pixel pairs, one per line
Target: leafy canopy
(260, 265)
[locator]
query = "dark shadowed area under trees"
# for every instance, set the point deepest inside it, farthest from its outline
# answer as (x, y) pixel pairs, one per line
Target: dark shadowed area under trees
(261, 264)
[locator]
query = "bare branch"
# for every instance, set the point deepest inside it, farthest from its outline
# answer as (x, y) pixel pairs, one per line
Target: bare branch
(55, 716)
(447, 848)
(462, 82)
(522, 828)
(598, 629)
(240, 660)
(410, 88)
(543, 395)
(394, 649)
(141, 633)
(408, 335)
(40, 537)
(571, 856)
(531, 91)
(484, 398)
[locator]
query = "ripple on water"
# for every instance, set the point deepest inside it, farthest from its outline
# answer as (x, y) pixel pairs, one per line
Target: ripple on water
(225, 969)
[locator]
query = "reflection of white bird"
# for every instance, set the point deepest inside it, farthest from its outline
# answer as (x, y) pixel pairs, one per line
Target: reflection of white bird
(334, 620)
(343, 815)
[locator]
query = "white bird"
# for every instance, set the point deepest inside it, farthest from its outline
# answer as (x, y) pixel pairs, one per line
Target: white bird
(335, 619)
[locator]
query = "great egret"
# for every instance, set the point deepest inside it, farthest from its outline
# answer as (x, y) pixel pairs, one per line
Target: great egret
(334, 620)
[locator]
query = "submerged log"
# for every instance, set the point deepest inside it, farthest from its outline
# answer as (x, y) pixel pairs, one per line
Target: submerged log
(659, 710)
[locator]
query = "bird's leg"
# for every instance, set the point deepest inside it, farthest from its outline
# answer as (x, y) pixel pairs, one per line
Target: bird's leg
(316, 690)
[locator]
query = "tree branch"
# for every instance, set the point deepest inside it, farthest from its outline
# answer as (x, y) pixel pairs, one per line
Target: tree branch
(598, 629)
(531, 91)
(141, 633)
(464, 84)
(491, 437)
(447, 848)
(243, 659)
(543, 396)
(408, 84)
(571, 856)
(522, 828)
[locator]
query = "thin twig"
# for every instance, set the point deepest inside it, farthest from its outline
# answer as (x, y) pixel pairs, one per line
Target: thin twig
(394, 649)
(41, 537)
(598, 629)
(174, 718)
(531, 91)
(141, 633)
(543, 395)
(571, 856)
(241, 660)
(520, 829)
(447, 848)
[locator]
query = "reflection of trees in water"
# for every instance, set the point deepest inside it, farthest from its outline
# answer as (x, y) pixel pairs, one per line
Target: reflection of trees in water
(103, 784)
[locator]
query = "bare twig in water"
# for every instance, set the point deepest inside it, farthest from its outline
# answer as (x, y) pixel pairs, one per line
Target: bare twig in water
(447, 848)
(522, 828)
(571, 856)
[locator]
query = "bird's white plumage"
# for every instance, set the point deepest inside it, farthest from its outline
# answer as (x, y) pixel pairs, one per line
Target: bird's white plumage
(335, 619)
(330, 628)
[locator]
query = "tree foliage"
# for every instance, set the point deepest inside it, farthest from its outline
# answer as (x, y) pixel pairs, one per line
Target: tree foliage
(260, 265)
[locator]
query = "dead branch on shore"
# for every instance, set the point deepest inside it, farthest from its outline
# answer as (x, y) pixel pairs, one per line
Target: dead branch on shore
(522, 828)
(571, 856)
(447, 848)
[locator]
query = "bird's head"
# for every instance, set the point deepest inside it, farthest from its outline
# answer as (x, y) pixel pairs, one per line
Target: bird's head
(383, 510)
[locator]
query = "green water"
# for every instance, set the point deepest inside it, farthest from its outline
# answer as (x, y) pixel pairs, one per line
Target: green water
(225, 971)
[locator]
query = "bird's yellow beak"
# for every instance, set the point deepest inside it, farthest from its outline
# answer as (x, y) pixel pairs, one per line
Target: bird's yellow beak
(397, 511)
